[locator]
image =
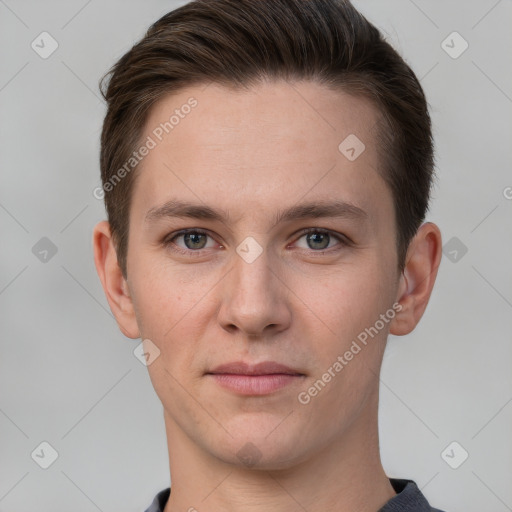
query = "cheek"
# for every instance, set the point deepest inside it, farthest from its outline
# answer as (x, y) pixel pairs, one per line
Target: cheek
(171, 311)
(347, 300)
(167, 297)
(347, 305)
(175, 309)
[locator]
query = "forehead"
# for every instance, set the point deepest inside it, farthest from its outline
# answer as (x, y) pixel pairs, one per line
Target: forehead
(252, 145)
(276, 111)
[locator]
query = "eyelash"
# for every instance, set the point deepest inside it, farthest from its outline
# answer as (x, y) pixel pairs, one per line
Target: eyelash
(168, 241)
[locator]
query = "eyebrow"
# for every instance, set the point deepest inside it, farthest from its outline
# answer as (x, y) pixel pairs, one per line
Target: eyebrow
(317, 209)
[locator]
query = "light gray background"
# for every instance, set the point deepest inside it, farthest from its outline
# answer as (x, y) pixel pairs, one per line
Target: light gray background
(69, 377)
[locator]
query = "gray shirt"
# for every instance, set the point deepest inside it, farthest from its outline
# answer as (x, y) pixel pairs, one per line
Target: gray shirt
(408, 499)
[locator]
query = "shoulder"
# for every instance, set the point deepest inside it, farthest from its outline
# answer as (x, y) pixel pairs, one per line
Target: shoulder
(160, 500)
(409, 498)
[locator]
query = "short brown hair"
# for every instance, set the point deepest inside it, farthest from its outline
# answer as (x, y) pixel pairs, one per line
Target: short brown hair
(237, 43)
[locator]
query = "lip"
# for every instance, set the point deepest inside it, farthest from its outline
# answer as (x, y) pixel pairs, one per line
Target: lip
(254, 379)
(264, 368)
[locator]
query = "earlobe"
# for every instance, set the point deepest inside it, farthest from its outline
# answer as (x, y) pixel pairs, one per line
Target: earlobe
(114, 284)
(418, 278)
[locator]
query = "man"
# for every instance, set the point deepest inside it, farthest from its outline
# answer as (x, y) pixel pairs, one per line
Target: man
(267, 168)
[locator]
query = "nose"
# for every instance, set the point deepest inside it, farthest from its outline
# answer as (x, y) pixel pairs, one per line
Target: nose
(255, 298)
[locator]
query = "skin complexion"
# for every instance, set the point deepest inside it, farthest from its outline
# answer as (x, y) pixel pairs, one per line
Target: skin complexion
(257, 174)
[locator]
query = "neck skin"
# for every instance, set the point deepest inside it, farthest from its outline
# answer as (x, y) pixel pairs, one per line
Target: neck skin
(346, 476)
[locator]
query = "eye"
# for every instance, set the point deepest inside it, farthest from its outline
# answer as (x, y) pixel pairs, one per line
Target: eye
(192, 240)
(318, 239)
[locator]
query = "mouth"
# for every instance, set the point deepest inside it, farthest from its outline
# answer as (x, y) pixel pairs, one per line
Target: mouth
(260, 379)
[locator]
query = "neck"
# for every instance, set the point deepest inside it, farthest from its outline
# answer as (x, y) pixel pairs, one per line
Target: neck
(344, 476)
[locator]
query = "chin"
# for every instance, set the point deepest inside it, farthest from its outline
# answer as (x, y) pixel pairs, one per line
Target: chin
(261, 447)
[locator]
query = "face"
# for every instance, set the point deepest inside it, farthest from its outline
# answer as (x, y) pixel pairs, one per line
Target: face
(288, 256)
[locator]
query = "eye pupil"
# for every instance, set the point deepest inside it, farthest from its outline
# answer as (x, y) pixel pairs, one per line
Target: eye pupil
(318, 238)
(193, 240)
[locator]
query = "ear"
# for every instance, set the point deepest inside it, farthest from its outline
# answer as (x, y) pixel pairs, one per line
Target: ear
(418, 278)
(112, 280)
